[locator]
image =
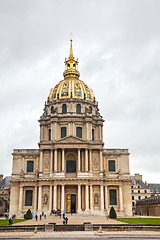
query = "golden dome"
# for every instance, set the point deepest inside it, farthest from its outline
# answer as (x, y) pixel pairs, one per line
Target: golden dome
(71, 86)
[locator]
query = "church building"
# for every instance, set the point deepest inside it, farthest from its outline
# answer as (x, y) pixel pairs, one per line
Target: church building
(71, 170)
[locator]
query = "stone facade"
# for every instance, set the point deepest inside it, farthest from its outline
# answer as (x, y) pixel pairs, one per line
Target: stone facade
(5, 191)
(139, 190)
(71, 170)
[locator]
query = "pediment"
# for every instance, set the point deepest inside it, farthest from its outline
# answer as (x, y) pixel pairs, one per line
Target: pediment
(71, 139)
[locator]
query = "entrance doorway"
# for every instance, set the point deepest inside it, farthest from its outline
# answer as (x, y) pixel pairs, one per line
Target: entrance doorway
(71, 203)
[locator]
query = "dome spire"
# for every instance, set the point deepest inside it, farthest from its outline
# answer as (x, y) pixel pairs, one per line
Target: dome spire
(71, 48)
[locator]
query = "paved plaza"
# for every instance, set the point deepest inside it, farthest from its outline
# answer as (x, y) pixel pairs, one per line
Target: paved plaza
(72, 219)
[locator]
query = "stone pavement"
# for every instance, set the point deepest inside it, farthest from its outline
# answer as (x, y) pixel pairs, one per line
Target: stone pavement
(81, 235)
(72, 219)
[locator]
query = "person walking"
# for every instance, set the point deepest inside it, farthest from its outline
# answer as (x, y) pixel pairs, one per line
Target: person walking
(107, 216)
(66, 220)
(36, 217)
(40, 216)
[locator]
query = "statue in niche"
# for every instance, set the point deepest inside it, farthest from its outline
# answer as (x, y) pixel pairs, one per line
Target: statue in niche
(37, 173)
(96, 199)
(120, 173)
(45, 199)
(22, 173)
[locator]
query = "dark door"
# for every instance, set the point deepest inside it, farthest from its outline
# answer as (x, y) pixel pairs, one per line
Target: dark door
(73, 203)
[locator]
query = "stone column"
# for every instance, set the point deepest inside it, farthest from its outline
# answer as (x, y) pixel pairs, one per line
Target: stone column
(62, 160)
(79, 160)
(51, 162)
(55, 130)
(40, 162)
(40, 198)
(101, 161)
(20, 198)
(91, 197)
(50, 198)
(102, 199)
(106, 199)
(87, 199)
(90, 156)
(79, 198)
(69, 129)
(62, 199)
(35, 198)
(86, 160)
(55, 198)
(120, 199)
(55, 160)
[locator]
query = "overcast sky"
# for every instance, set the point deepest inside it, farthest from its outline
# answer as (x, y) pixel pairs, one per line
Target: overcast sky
(118, 46)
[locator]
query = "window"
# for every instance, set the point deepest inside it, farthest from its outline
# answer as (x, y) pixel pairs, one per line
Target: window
(145, 191)
(92, 134)
(28, 198)
(71, 166)
(78, 108)
(139, 197)
(90, 109)
(138, 186)
(132, 203)
(132, 197)
(79, 132)
(64, 108)
(138, 191)
(30, 165)
(113, 197)
(63, 132)
(111, 166)
(52, 109)
(132, 191)
(131, 186)
(49, 134)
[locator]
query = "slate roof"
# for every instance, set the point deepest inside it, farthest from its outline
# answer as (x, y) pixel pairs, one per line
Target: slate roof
(155, 187)
(150, 200)
(5, 181)
(139, 182)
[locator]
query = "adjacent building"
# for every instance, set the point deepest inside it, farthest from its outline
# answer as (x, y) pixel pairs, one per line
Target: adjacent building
(149, 206)
(5, 194)
(71, 170)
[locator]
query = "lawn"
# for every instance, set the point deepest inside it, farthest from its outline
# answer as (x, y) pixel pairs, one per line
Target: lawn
(4, 222)
(152, 221)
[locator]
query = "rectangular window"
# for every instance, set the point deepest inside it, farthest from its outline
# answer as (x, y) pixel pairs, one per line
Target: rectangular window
(63, 132)
(30, 166)
(92, 134)
(79, 132)
(71, 166)
(113, 197)
(49, 133)
(132, 197)
(111, 166)
(28, 198)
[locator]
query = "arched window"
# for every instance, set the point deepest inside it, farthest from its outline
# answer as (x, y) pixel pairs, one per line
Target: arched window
(79, 132)
(78, 108)
(52, 109)
(111, 166)
(90, 109)
(113, 197)
(63, 132)
(28, 197)
(64, 108)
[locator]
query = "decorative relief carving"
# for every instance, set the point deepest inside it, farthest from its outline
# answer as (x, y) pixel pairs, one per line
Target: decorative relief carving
(96, 199)
(95, 157)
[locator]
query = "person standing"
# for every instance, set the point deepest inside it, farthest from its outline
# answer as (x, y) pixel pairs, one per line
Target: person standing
(40, 216)
(36, 217)
(107, 216)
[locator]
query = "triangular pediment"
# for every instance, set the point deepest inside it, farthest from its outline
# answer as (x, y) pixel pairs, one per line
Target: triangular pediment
(71, 139)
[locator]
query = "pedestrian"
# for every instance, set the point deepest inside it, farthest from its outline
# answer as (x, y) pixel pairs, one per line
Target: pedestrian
(42, 213)
(9, 221)
(36, 217)
(44, 216)
(64, 215)
(60, 214)
(107, 216)
(66, 220)
(40, 216)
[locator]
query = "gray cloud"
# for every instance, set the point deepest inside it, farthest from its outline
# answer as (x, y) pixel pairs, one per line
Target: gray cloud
(118, 45)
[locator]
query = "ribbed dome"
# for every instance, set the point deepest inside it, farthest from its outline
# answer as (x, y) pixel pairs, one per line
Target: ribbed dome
(71, 88)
